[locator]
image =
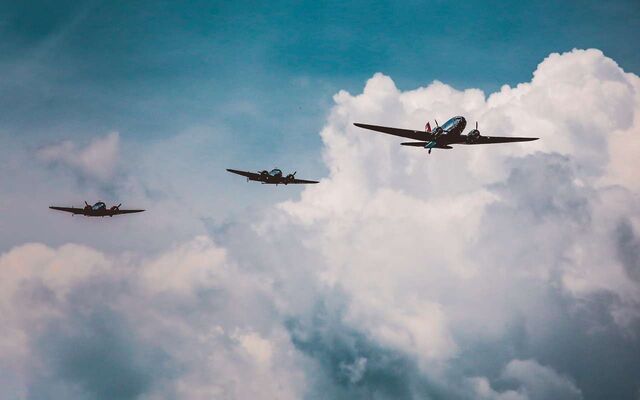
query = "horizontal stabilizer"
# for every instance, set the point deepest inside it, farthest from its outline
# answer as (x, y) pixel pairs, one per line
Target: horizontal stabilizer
(424, 144)
(415, 144)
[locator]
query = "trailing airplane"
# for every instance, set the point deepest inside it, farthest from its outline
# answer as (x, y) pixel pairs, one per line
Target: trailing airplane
(97, 210)
(444, 136)
(274, 177)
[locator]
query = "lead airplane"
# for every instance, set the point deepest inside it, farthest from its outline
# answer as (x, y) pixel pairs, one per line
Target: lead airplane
(97, 210)
(444, 136)
(274, 177)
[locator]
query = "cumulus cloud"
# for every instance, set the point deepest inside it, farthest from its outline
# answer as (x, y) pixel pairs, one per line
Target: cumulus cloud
(97, 160)
(540, 382)
(533, 381)
(445, 253)
(78, 323)
(497, 272)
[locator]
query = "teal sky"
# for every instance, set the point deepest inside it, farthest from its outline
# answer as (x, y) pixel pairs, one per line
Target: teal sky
(256, 80)
(268, 70)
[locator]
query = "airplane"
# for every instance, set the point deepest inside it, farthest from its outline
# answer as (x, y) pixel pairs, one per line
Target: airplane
(97, 210)
(274, 177)
(444, 136)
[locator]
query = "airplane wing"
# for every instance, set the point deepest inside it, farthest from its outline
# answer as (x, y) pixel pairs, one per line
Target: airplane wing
(499, 139)
(251, 175)
(116, 212)
(406, 133)
(300, 181)
(73, 210)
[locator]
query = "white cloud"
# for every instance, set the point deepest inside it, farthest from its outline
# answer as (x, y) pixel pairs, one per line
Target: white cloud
(97, 160)
(430, 248)
(540, 382)
(481, 389)
(533, 381)
(209, 320)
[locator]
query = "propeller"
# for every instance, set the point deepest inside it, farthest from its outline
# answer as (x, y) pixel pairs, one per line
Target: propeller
(474, 135)
(86, 204)
(438, 131)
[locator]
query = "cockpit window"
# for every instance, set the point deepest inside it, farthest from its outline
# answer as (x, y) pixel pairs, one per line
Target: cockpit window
(450, 123)
(275, 172)
(99, 205)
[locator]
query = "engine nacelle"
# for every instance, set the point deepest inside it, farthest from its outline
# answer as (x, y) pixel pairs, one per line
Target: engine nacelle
(473, 136)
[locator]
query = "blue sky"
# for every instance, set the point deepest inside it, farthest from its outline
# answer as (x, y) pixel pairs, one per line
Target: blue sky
(262, 75)
(153, 68)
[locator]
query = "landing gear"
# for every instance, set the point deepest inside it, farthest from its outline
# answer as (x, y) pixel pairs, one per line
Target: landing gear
(429, 151)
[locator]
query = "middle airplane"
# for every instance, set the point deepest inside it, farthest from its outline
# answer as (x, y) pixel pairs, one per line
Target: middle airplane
(444, 136)
(274, 177)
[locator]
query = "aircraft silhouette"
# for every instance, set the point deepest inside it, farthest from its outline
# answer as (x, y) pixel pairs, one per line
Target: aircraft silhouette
(444, 136)
(97, 210)
(274, 177)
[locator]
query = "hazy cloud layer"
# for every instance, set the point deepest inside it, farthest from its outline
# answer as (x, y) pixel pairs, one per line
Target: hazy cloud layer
(97, 160)
(497, 272)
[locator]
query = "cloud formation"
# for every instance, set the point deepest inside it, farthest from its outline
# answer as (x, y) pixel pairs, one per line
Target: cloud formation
(440, 255)
(533, 381)
(97, 160)
(187, 324)
(497, 272)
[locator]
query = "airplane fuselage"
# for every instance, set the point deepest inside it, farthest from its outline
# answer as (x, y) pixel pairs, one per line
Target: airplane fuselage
(96, 212)
(274, 177)
(447, 134)
(451, 131)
